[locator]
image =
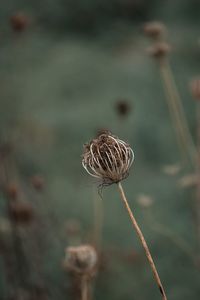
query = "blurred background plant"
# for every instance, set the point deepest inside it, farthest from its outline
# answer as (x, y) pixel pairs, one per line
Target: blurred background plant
(72, 69)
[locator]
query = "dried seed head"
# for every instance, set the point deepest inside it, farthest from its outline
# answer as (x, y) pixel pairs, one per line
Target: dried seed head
(12, 190)
(81, 259)
(195, 88)
(19, 21)
(108, 158)
(154, 29)
(159, 50)
(122, 107)
(21, 212)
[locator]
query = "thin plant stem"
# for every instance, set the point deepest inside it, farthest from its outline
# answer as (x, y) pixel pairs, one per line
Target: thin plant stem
(197, 198)
(143, 241)
(184, 136)
(84, 288)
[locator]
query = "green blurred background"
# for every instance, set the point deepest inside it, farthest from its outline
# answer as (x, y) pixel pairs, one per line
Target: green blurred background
(60, 80)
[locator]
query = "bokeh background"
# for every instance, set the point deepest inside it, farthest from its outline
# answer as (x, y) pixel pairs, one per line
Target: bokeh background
(65, 70)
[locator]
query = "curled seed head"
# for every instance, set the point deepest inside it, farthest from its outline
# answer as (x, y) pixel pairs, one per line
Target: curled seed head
(81, 259)
(108, 158)
(195, 88)
(154, 29)
(159, 50)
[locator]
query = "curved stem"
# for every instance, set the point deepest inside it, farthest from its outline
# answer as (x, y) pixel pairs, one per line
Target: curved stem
(142, 239)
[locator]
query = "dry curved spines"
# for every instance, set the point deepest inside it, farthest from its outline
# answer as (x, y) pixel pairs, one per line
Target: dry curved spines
(108, 158)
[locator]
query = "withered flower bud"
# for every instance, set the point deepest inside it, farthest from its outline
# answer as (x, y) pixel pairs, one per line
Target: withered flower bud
(81, 259)
(159, 50)
(195, 88)
(21, 212)
(108, 158)
(19, 21)
(12, 190)
(154, 29)
(122, 107)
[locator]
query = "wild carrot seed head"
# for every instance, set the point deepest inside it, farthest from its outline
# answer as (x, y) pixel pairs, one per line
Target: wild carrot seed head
(159, 50)
(154, 29)
(81, 259)
(108, 158)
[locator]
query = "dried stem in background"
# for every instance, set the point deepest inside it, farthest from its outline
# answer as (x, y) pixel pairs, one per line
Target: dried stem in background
(84, 288)
(197, 200)
(142, 239)
(81, 263)
(179, 120)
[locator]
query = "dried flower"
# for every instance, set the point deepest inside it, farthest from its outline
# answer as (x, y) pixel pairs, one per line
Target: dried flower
(108, 158)
(159, 50)
(21, 212)
(195, 88)
(154, 29)
(19, 21)
(12, 190)
(81, 259)
(122, 107)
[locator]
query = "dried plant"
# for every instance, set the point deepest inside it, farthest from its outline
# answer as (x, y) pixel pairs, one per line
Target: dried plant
(160, 50)
(195, 90)
(19, 21)
(155, 30)
(122, 107)
(109, 159)
(81, 262)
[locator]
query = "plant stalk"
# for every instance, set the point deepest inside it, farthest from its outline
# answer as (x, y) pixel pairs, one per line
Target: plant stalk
(84, 288)
(143, 241)
(177, 113)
